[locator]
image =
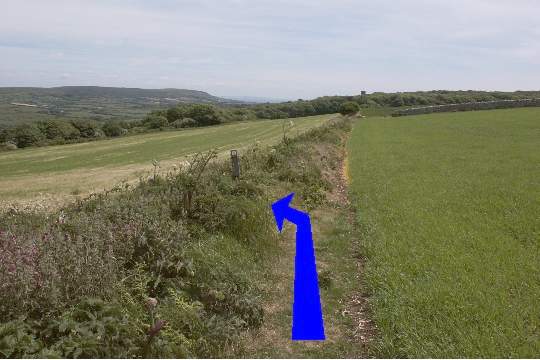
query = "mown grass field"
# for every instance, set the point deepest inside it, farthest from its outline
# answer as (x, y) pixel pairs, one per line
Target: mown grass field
(449, 207)
(54, 172)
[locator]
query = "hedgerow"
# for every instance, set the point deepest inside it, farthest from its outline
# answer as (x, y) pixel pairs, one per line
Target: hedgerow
(164, 268)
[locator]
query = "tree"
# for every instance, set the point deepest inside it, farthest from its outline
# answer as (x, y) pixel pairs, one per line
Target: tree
(59, 130)
(155, 121)
(349, 108)
(396, 100)
(6, 134)
(27, 135)
(112, 129)
(174, 114)
(185, 123)
(204, 114)
(88, 128)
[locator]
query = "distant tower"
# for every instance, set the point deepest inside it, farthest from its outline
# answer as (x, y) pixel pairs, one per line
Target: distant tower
(363, 98)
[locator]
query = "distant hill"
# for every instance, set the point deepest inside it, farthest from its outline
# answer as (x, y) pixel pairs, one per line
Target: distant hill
(257, 99)
(127, 94)
(27, 104)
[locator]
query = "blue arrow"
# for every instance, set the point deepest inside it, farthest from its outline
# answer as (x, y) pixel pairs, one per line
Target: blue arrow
(307, 321)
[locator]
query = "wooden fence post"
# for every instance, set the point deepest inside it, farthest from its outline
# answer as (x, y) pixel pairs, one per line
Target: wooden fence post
(235, 161)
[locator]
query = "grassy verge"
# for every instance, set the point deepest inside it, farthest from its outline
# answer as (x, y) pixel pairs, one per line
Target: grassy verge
(448, 206)
(337, 250)
(174, 267)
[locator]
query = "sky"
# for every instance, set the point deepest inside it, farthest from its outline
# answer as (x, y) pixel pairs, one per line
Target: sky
(284, 49)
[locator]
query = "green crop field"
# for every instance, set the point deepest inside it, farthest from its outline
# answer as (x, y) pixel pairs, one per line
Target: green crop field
(54, 172)
(449, 207)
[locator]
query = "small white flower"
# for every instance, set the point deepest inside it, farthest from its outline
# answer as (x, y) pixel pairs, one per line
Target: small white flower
(151, 303)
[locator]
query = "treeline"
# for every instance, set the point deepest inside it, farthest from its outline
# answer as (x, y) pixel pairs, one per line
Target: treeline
(195, 115)
(183, 115)
(470, 106)
(443, 97)
(65, 131)
(343, 104)
(57, 131)
(60, 131)
(334, 104)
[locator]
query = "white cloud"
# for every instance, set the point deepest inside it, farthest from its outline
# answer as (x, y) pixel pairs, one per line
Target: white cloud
(295, 48)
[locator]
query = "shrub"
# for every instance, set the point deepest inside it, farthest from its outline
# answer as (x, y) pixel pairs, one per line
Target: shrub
(58, 129)
(93, 329)
(8, 145)
(47, 269)
(185, 123)
(6, 134)
(204, 115)
(396, 100)
(155, 122)
(88, 128)
(174, 114)
(176, 124)
(112, 129)
(28, 135)
(349, 108)
(18, 340)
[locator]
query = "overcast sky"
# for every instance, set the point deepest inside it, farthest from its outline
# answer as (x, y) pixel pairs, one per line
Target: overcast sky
(281, 49)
